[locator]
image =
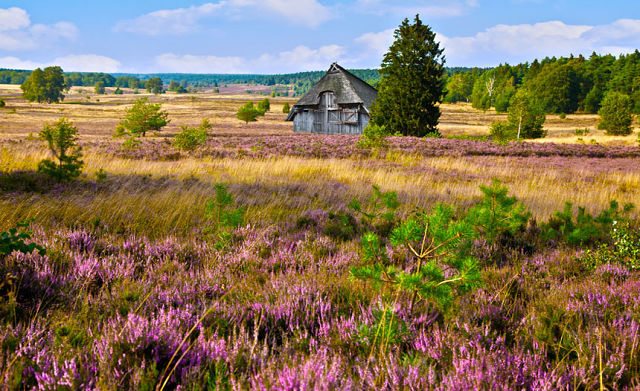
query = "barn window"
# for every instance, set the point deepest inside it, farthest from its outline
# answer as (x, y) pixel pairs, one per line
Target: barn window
(351, 116)
(328, 100)
(334, 116)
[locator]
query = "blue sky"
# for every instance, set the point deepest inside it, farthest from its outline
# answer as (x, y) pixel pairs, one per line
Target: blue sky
(280, 36)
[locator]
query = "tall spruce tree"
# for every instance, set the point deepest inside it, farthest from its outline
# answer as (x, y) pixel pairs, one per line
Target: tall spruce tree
(412, 82)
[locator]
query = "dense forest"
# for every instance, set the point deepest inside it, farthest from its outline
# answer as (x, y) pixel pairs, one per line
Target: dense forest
(558, 85)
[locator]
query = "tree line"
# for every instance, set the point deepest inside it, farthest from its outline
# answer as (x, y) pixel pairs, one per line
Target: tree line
(558, 85)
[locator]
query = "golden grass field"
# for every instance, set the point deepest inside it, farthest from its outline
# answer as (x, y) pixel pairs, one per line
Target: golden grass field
(156, 197)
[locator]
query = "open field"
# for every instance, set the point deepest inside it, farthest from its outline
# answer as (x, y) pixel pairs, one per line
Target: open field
(134, 289)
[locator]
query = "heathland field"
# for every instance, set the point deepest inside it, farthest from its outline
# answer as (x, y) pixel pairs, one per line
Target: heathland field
(246, 264)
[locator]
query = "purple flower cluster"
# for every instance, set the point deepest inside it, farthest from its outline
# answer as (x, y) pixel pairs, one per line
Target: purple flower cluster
(278, 311)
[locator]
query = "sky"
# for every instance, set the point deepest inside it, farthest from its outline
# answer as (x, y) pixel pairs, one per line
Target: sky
(282, 36)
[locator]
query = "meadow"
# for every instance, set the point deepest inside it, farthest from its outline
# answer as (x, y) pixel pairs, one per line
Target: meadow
(140, 287)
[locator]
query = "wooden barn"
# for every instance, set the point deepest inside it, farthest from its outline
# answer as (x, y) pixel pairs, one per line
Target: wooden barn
(338, 104)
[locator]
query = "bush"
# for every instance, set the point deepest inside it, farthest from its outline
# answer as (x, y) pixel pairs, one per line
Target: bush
(501, 131)
(221, 216)
(374, 137)
(99, 88)
(582, 132)
(248, 113)
(143, 117)
(624, 248)
(286, 108)
(2, 103)
(61, 137)
(118, 91)
(264, 106)
(191, 137)
(615, 114)
(585, 229)
(15, 240)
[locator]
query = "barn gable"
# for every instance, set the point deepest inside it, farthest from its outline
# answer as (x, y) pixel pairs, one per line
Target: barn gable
(338, 103)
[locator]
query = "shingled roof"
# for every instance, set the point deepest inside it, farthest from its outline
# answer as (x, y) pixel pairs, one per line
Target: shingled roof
(348, 89)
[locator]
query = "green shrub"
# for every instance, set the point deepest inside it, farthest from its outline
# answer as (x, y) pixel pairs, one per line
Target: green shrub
(501, 131)
(582, 132)
(373, 137)
(61, 137)
(615, 114)
(118, 91)
(248, 113)
(16, 240)
(191, 137)
(341, 226)
(378, 214)
(143, 117)
(286, 108)
(221, 216)
(624, 248)
(2, 103)
(585, 229)
(264, 106)
(497, 213)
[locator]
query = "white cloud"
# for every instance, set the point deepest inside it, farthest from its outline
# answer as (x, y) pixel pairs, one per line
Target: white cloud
(75, 62)
(13, 18)
(301, 58)
(17, 33)
(515, 43)
(520, 43)
(185, 20)
(88, 63)
(377, 43)
(172, 22)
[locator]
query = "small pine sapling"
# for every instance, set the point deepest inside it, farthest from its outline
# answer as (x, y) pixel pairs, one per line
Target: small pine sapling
(378, 214)
(61, 137)
(192, 137)
(222, 217)
(497, 213)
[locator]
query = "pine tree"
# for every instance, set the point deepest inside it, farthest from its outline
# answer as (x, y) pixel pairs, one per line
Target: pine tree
(615, 114)
(412, 82)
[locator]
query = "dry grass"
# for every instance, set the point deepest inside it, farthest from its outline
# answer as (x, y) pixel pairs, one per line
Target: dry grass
(158, 197)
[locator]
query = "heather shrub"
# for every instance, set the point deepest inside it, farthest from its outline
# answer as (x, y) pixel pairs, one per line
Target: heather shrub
(61, 137)
(192, 137)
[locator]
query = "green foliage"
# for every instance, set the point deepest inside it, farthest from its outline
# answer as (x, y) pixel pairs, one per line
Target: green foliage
(624, 248)
(557, 89)
(2, 103)
(504, 99)
(264, 106)
(99, 88)
(143, 117)
(341, 226)
(374, 137)
(378, 214)
(386, 329)
(412, 82)
(44, 85)
(61, 138)
(525, 116)
(497, 213)
(176, 87)
(154, 85)
(582, 131)
(118, 91)
(502, 131)
(191, 137)
(16, 240)
(286, 108)
(248, 113)
(459, 87)
(615, 114)
(592, 100)
(222, 217)
(585, 229)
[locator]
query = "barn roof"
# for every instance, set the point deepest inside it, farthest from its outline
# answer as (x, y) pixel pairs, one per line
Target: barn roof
(348, 89)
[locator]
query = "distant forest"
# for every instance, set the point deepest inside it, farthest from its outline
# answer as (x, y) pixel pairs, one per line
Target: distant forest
(559, 85)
